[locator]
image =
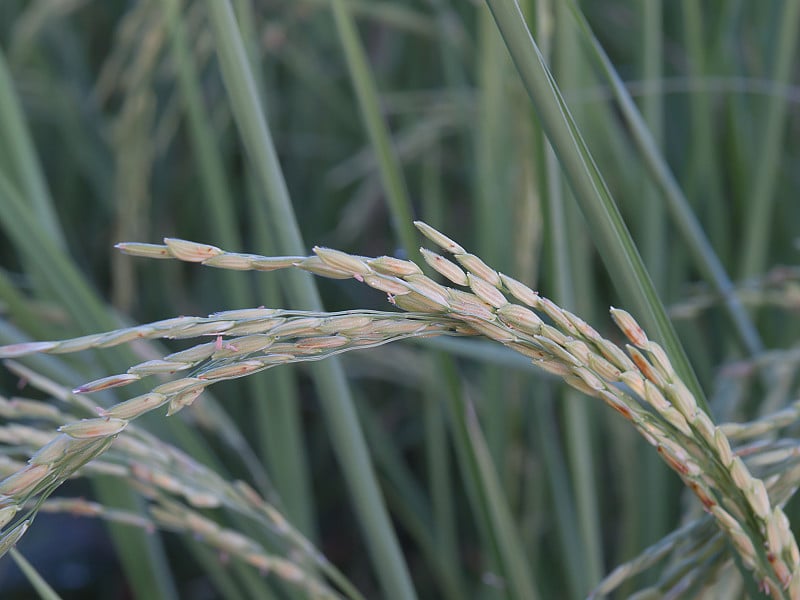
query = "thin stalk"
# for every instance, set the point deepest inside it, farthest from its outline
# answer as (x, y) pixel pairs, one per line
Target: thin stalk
(564, 255)
(491, 142)
(704, 179)
(218, 200)
(286, 462)
(609, 231)
(34, 578)
(281, 429)
(408, 497)
(653, 234)
(24, 169)
(510, 548)
(562, 499)
(653, 231)
(440, 484)
(337, 403)
(492, 208)
(578, 434)
(706, 259)
(485, 494)
(437, 448)
(391, 173)
(141, 555)
(761, 200)
(281, 422)
(393, 183)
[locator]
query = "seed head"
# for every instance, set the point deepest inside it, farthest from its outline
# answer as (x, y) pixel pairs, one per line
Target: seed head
(603, 368)
(10, 538)
(389, 265)
(703, 425)
(158, 366)
(486, 292)
(590, 379)
(629, 327)
(723, 448)
(469, 304)
(192, 355)
(143, 250)
(320, 343)
(759, 499)
(476, 266)
(314, 264)
(52, 451)
(520, 318)
(740, 474)
(184, 399)
(558, 315)
(447, 268)
(106, 383)
(7, 513)
(14, 350)
(94, 428)
(342, 261)
(428, 289)
(654, 397)
(231, 260)
(682, 398)
(237, 369)
(676, 419)
(179, 385)
(490, 330)
(23, 480)
(191, 251)
(520, 291)
(439, 238)
(264, 263)
(130, 409)
(386, 283)
(295, 327)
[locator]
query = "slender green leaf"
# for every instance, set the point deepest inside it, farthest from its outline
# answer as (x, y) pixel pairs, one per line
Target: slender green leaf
(608, 229)
(34, 578)
(693, 233)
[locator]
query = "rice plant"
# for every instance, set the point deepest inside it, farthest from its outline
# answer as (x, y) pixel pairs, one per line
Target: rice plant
(415, 438)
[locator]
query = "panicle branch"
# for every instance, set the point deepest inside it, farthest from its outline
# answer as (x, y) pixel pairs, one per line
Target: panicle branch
(640, 384)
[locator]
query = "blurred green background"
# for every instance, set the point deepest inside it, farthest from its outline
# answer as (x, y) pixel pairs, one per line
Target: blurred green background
(122, 121)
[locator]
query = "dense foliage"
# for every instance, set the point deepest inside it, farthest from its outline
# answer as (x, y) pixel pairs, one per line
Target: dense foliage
(445, 467)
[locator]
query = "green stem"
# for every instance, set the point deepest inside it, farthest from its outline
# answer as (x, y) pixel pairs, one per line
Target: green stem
(335, 397)
(608, 229)
(391, 174)
(697, 242)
